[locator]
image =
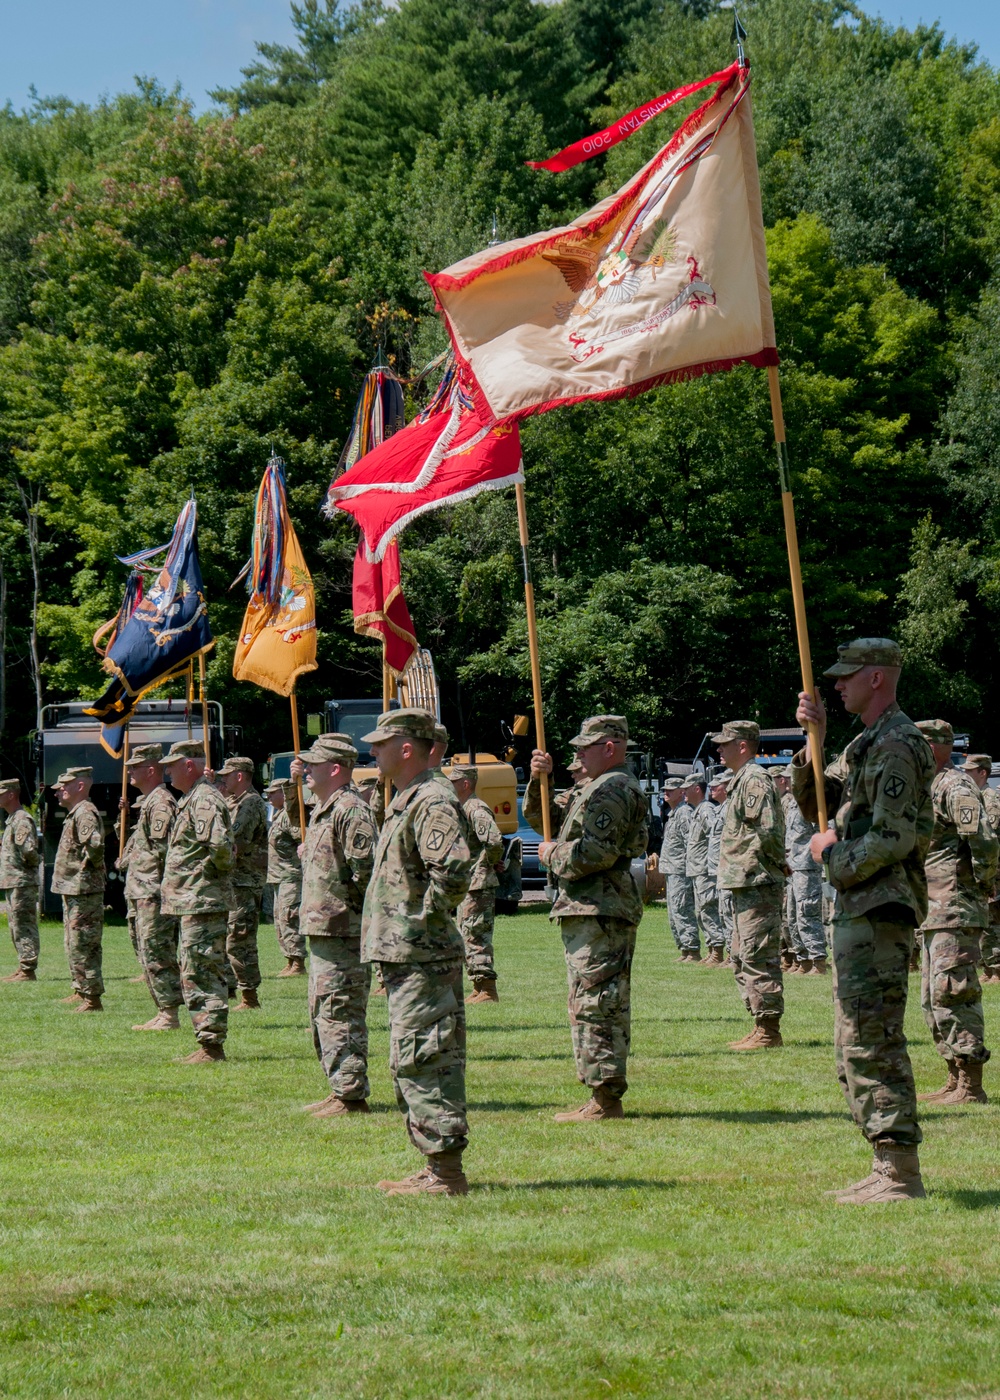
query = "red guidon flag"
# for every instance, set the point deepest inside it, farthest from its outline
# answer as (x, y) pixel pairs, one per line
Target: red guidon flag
(665, 280)
(379, 606)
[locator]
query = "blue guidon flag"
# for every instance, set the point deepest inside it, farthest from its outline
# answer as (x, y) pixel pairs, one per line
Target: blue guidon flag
(161, 625)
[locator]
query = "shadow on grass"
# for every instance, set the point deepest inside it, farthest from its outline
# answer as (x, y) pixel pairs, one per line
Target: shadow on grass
(591, 1183)
(972, 1200)
(741, 1115)
(500, 1059)
(510, 1106)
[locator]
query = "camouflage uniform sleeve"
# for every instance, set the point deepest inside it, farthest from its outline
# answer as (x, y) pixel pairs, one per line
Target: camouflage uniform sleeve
(489, 834)
(767, 817)
(90, 833)
(598, 846)
(439, 830)
(26, 841)
(966, 810)
(359, 839)
(244, 827)
(892, 834)
(216, 831)
(804, 785)
(531, 806)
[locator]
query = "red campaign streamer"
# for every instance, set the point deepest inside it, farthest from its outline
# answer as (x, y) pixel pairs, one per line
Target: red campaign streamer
(601, 141)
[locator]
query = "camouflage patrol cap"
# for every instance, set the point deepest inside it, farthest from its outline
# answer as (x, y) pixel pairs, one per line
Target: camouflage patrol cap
(143, 754)
(10, 785)
(693, 780)
(236, 765)
(278, 785)
(936, 731)
(440, 734)
(464, 770)
(331, 748)
(722, 779)
(972, 762)
(600, 727)
(184, 748)
(574, 766)
(865, 651)
(72, 775)
(403, 724)
(672, 784)
(734, 729)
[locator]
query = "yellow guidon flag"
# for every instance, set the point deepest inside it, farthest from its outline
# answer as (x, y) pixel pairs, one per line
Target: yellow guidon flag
(277, 642)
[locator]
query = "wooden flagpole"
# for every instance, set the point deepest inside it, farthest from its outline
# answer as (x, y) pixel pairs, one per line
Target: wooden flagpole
(206, 737)
(536, 668)
(296, 746)
(798, 595)
(190, 694)
(123, 823)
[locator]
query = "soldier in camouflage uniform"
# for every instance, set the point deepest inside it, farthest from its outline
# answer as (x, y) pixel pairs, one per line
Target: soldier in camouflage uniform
(477, 911)
(423, 866)
(752, 867)
(198, 890)
(337, 859)
(961, 868)
(879, 788)
(284, 875)
(673, 866)
(145, 853)
(979, 766)
(19, 880)
(248, 812)
(719, 792)
(706, 891)
(598, 907)
(78, 875)
(804, 890)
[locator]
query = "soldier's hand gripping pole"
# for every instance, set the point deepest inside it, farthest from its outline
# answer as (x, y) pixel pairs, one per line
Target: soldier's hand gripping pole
(798, 596)
(536, 669)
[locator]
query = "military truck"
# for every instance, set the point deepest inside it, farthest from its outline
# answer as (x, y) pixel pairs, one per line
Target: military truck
(69, 738)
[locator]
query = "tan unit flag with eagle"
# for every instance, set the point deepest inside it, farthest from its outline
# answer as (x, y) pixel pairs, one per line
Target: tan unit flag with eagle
(665, 280)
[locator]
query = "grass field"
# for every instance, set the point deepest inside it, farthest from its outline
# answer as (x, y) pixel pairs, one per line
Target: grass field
(173, 1231)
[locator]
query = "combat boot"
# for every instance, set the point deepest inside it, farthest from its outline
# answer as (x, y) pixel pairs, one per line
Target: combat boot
(139, 979)
(599, 1107)
(765, 1036)
(820, 967)
(296, 968)
(207, 1054)
(915, 960)
(742, 1044)
(250, 1000)
(165, 1020)
(73, 996)
(483, 990)
(379, 992)
(895, 1176)
(320, 1103)
(939, 1095)
(23, 974)
(970, 1084)
(89, 1004)
(787, 960)
(336, 1107)
(442, 1176)
(714, 958)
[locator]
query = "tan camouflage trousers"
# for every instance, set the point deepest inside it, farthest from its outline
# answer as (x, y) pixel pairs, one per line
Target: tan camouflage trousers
(157, 935)
(989, 942)
(476, 915)
(427, 1051)
(871, 958)
(681, 912)
(726, 916)
(287, 926)
(22, 916)
(339, 983)
(804, 902)
(241, 940)
(756, 950)
(83, 932)
(204, 968)
(133, 928)
(706, 908)
(950, 995)
(599, 954)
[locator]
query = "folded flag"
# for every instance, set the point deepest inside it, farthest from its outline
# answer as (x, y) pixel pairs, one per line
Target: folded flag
(664, 280)
(161, 624)
(277, 642)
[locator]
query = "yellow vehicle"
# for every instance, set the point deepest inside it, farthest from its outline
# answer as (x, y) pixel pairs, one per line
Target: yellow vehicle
(497, 787)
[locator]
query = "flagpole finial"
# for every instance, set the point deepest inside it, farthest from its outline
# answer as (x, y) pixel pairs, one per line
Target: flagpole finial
(739, 34)
(495, 236)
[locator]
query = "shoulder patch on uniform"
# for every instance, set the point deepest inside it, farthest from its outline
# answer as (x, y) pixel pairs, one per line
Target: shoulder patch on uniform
(894, 786)
(752, 800)
(602, 821)
(435, 839)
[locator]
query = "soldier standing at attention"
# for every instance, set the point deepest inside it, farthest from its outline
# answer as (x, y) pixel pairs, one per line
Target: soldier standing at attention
(198, 890)
(961, 868)
(284, 874)
(78, 875)
(598, 908)
(423, 866)
(719, 791)
(19, 880)
(248, 811)
(879, 788)
(673, 864)
(805, 888)
(477, 911)
(337, 858)
(752, 867)
(979, 766)
(706, 891)
(156, 932)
